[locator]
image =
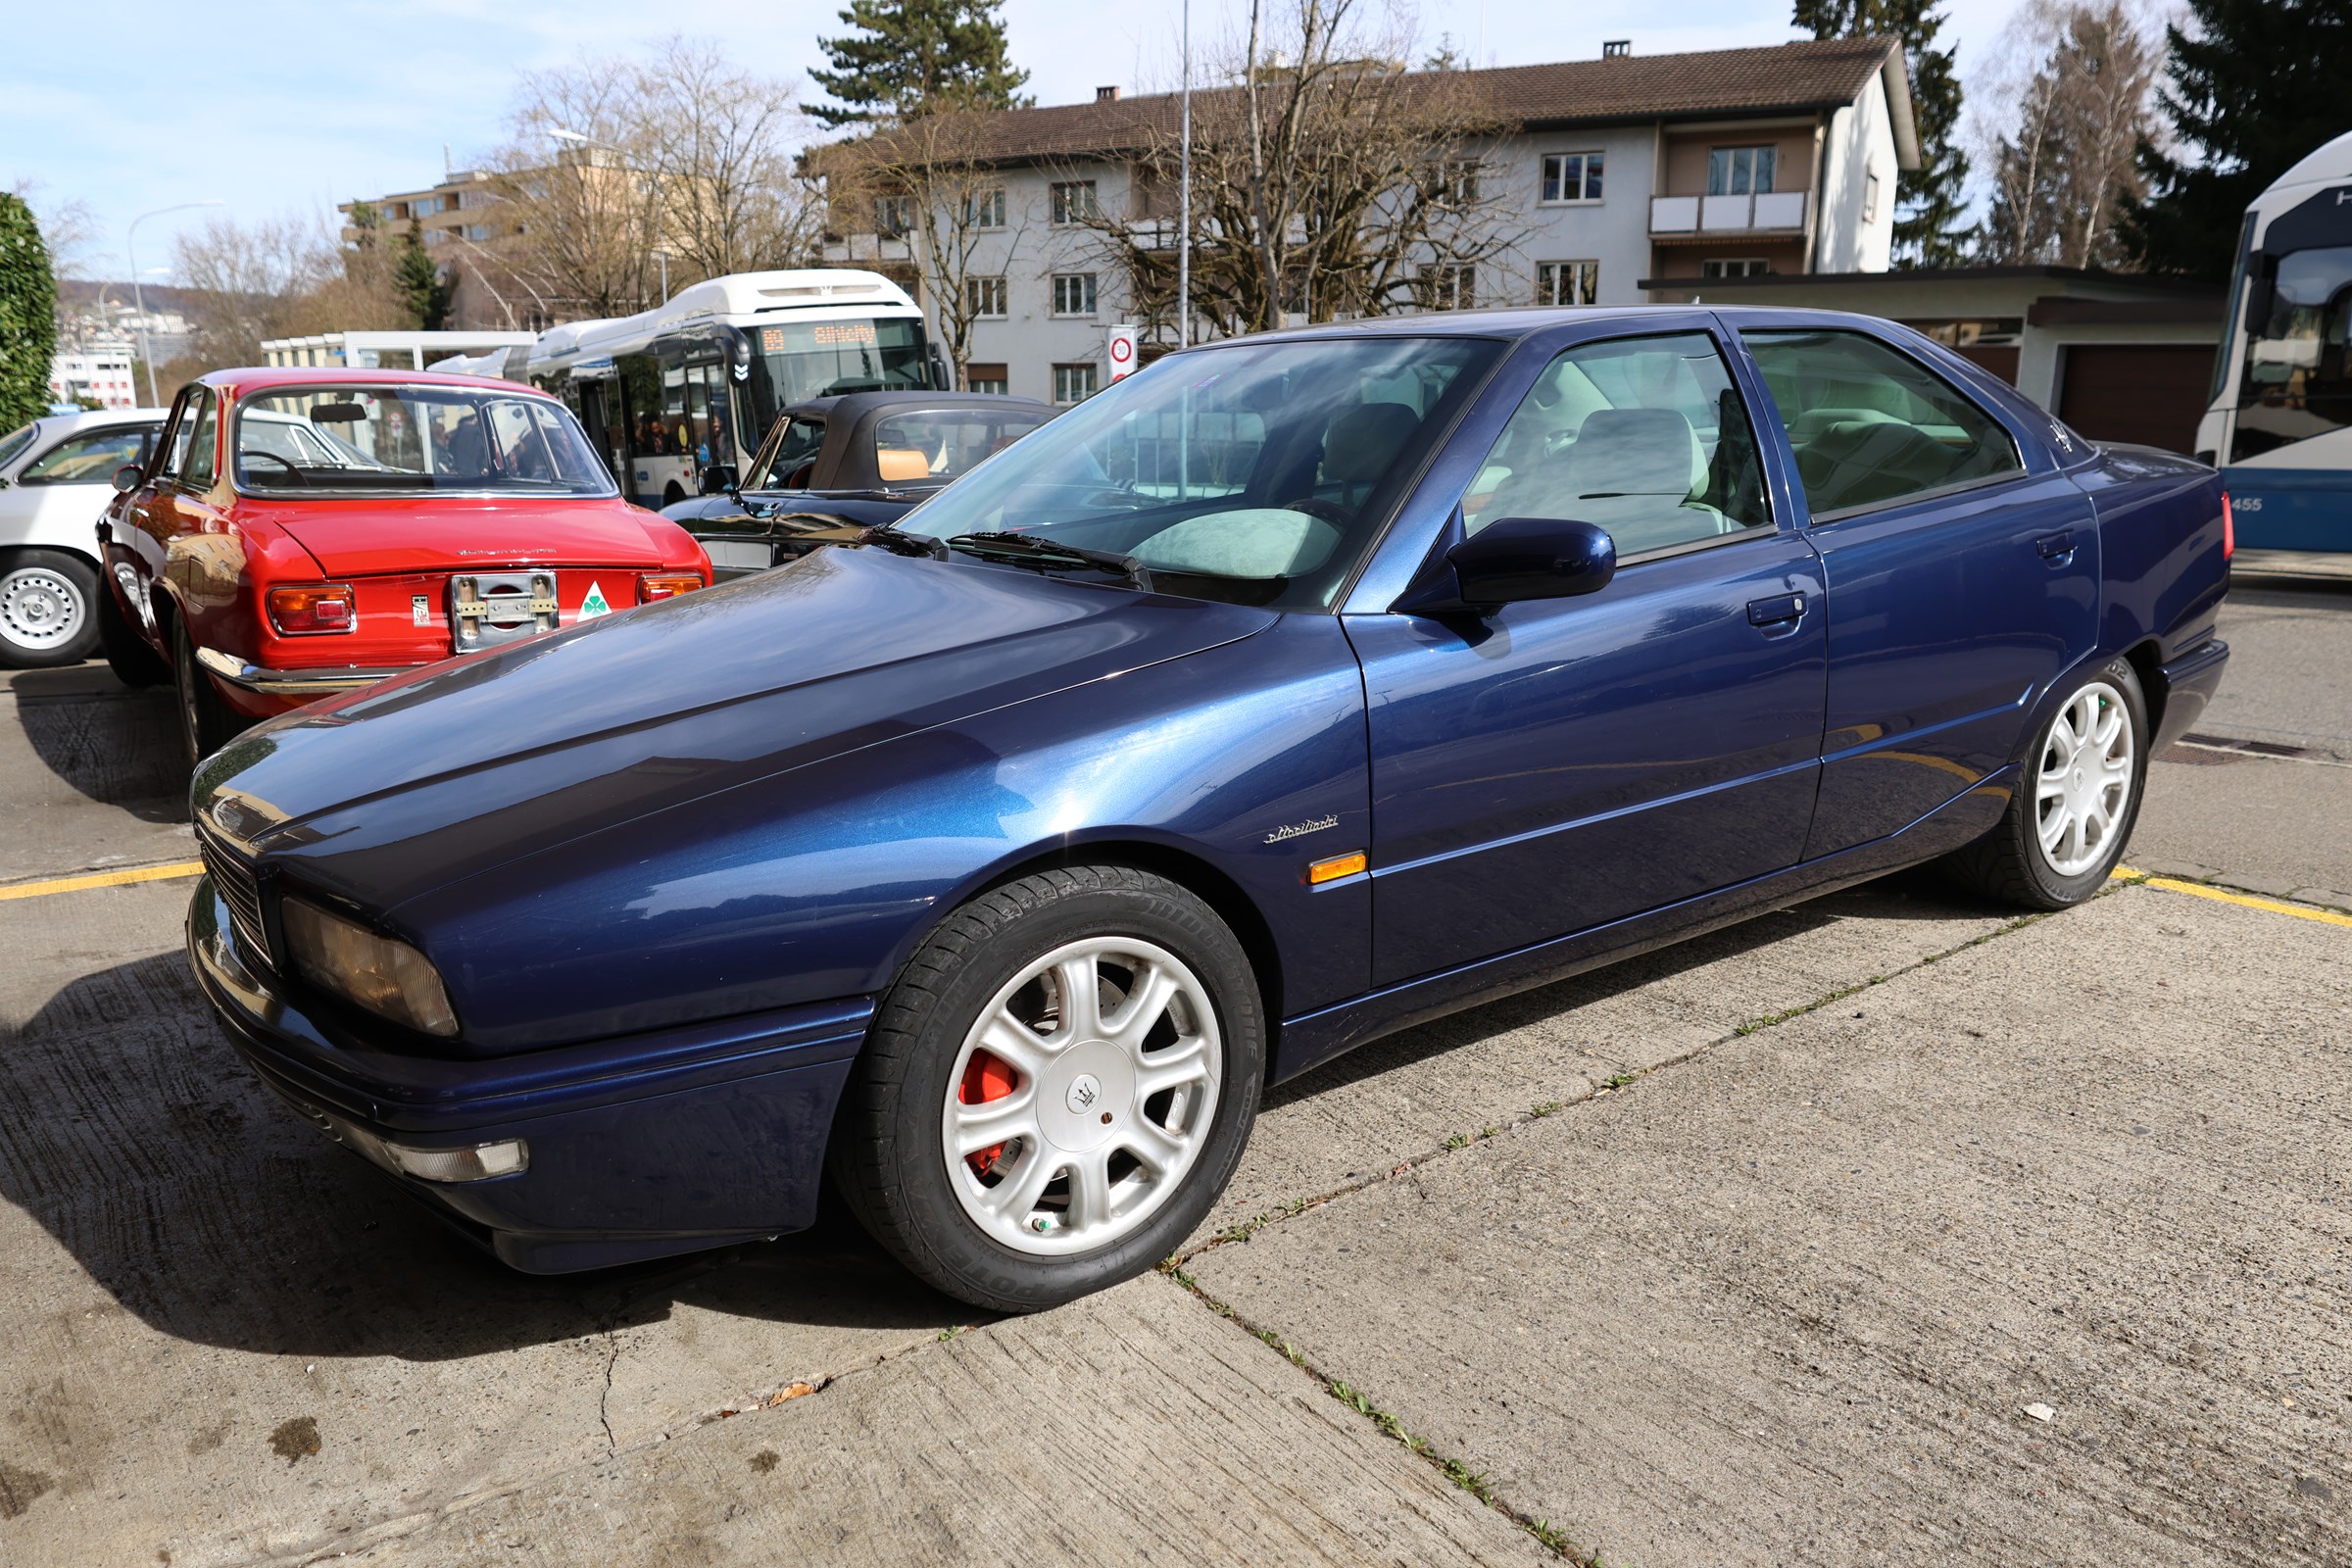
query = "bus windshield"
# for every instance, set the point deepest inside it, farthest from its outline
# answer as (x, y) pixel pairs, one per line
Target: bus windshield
(2296, 382)
(821, 358)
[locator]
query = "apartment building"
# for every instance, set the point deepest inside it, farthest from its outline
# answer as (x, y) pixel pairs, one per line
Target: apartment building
(1618, 176)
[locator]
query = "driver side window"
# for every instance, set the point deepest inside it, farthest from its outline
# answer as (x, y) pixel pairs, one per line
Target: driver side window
(1646, 437)
(196, 458)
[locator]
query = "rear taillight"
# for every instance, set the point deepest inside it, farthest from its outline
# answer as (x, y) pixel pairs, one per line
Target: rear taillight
(320, 608)
(2228, 529)
(666, 585)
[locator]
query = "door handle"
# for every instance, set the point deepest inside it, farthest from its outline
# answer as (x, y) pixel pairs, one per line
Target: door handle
(2056, 547)
(1777, 610)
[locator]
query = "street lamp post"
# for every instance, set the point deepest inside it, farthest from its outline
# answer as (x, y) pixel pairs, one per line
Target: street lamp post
(138, 300)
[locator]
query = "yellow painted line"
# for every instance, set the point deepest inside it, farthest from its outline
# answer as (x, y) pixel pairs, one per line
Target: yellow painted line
(2251, 901)
(102, 879)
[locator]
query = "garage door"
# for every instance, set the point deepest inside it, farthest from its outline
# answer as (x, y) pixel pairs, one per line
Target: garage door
(2151, 394)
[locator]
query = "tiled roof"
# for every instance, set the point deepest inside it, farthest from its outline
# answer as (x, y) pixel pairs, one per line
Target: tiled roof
(1787, 79)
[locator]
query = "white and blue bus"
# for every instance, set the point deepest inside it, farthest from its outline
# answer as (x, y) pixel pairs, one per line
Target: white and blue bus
(2279, 421)
(678, 396)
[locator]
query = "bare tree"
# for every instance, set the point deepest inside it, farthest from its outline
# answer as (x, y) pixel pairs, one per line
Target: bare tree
(1328, 181)
(918, 184)
(278, 277)
(677, 153)
(2068, 99)
(69, 227)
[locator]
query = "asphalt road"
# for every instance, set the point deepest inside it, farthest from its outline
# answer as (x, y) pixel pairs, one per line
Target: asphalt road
(1884, 1229)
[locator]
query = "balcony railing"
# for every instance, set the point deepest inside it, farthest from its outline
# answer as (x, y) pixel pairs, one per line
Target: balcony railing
(1771, 211)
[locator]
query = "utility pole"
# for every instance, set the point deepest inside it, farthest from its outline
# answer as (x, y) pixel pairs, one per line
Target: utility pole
(138, 301)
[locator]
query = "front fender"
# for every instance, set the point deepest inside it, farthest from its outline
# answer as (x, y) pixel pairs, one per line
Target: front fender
(819, 883)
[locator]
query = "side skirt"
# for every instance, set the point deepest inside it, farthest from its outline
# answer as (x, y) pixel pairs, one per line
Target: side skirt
(1314, 1037)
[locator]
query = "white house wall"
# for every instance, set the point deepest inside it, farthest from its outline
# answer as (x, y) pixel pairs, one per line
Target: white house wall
(1860, 143)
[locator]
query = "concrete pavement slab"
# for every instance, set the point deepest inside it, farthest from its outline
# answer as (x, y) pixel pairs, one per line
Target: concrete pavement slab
(228, 1339)
(1402, 1098)
(96, 776)
(1133, 1427)
(2289, 645)
(2256, 822)
(2041, 1253)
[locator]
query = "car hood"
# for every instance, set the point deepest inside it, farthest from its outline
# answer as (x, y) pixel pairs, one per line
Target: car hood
(357, 538)
(396, 789)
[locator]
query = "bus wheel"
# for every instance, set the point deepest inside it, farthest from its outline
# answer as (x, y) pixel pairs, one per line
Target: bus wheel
(673, 493)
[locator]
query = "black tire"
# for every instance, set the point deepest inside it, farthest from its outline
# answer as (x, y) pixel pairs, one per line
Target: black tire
(888, 1150)
(48, 608)
(2009, 863)
(127, 654)
(206, 723)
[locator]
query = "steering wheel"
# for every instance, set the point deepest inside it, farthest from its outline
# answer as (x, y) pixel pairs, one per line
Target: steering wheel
(292, 467)
(1329, 511)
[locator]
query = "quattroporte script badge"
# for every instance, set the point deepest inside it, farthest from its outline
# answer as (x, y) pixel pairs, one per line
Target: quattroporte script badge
(1300, 830)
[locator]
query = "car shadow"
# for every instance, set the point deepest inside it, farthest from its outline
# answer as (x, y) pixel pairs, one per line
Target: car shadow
(1917, 893)
(137, 1138)
(110, 743)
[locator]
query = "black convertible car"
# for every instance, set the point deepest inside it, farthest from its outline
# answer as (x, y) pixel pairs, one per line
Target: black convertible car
(832, 468)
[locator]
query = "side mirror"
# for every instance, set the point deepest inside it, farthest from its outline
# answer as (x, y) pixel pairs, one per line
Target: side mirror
(718, 479)
(1515, 559)
(126, 478)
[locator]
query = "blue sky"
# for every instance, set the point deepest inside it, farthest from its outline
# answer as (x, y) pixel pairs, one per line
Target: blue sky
(277, 108)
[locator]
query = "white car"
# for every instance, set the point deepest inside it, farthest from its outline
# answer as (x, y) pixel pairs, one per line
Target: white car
(54, 482)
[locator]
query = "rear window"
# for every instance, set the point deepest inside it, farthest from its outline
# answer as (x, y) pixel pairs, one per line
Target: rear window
(377, 440)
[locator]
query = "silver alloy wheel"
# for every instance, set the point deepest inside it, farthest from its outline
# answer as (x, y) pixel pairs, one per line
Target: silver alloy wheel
(2082, 785)
(1111, 1047)
(40, 608)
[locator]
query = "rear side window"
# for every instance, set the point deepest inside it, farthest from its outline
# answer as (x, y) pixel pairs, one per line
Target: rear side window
(1872, 426)
(196, 469)
(1646, 437)
(88, 458)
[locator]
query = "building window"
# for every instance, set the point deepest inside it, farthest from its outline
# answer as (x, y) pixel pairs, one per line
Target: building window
(894, 217)
(1734, 266)
(986, 296)
(1074, 384)
(1572, 177)
(1454, 182)
(1739, 171)
(1567, 282)
(1074, 202)
(1073, 293)
(1450, 285)
(985, 209)
(1870, 198)
(979, 377)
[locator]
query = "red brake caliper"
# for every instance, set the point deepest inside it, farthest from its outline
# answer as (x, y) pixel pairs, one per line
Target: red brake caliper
(986, 1078)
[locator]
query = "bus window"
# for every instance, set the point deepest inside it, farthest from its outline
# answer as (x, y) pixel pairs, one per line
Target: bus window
(2296, 383)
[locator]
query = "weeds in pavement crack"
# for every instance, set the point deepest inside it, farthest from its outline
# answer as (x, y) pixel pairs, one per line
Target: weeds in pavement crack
(603, 1402)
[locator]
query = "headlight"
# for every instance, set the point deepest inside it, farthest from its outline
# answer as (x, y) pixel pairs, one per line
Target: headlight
(386, 977)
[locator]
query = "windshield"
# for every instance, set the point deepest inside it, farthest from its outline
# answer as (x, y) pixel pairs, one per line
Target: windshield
(404, 440)
(936, 445)
(791, 453)
(2297, 383)
(1259, 473)
(823, 359)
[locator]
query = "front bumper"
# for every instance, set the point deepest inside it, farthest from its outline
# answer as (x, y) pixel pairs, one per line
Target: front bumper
(640, 1146)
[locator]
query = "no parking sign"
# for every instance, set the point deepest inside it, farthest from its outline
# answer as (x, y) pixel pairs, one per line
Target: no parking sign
(1123, 352)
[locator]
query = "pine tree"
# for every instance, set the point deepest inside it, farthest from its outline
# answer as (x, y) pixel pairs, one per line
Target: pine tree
(419, 283)
(2255, 86)
(1928, 231)
(912, 54)
(27, 315)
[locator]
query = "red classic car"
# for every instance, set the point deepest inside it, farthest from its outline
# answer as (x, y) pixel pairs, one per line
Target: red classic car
(298, 532)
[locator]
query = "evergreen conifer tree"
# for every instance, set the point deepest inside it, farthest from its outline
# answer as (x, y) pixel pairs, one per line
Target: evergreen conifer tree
(1928, 231)
(27, 315)
(2254, 87)
(910, 55)
(419, 283)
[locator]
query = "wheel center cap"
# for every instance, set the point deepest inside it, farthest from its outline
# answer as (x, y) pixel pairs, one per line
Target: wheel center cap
(1089, 1093)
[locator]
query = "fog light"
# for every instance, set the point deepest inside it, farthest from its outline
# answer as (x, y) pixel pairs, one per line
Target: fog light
(474, 1164)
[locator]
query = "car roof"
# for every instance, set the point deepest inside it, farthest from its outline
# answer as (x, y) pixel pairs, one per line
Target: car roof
(853, 405)
(61, 424)
(1523, 321)
(251, 378)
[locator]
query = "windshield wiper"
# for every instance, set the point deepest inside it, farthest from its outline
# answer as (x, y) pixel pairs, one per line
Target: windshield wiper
(1045, 552)
(898, 542)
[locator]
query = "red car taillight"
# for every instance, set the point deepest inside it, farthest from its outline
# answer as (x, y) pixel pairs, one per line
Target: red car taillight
(319, 608)
(666, 585)
(2228, 529)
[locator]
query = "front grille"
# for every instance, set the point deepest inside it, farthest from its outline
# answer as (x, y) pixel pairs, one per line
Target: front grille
(243, 895)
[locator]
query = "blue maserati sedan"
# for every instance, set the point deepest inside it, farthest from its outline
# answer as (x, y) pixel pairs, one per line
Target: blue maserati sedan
(1293, 690)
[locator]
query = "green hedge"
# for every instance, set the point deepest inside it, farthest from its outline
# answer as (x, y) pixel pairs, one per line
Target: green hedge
(27, 315)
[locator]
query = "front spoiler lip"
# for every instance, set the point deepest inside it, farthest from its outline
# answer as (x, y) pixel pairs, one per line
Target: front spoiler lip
(394, 1092)
(294, 682)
